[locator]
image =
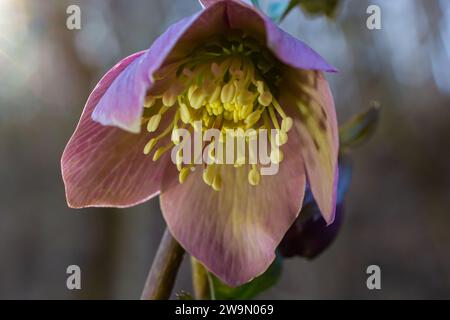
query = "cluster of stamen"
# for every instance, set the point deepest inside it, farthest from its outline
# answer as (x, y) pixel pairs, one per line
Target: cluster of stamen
(221, 86)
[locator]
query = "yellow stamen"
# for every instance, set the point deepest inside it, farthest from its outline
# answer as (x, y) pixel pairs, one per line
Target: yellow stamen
(252, 118)
(149, 101)
(185, 114)
(286, 124)
(273, 117)
(160, 151)
(265, 98)
(169, 97)
(149, 146)
(208, 175)
(278, 108)
(253, 176)
(217, 183)
(221, 89)
(281, 137)
(153, 123)
(184, 173)
(276, 156)
(227, 93)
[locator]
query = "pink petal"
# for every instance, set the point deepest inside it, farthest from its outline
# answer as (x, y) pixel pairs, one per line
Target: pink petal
(105, 166)
(318, 131)
(234, 232)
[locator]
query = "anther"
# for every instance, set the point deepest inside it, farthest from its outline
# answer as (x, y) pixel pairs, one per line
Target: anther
(153, 123)
(208, 175)
(185, 113)
(149, 146)
(252, 118)
(286, 124)
(160, 151)
(265, 99)
(169, 97)
(228, 92)
(217, 183)
(276, 156)
(175, 137)
(149, 101)
(197, 98)
(281, 137)
(253, 176)
(184, 173)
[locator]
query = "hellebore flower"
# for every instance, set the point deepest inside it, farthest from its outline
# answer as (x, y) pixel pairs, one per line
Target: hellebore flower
(309, 235)
(227, 66)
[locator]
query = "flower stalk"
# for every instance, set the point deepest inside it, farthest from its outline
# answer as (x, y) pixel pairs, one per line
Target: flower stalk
(201, 281)
(163, 272)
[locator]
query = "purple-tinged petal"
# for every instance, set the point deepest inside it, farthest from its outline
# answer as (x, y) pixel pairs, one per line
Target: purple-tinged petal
(105, 166)
(285, 47)
(308, 98)
(122, 103)
(234, 232)
(311, 237)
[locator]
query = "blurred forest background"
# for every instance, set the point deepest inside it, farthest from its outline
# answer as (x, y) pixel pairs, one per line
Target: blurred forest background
(397, 208)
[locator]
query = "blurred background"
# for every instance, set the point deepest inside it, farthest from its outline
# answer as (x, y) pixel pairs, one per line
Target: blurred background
(397, 208)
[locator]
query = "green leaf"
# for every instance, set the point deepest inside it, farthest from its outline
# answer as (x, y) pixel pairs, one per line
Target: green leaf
(251, 289)
(319, 7)
(359, 128)
(292, 4)
(313, 7)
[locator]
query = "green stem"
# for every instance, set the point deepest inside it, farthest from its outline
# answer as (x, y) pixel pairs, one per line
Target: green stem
(162, 275)
(201, 281)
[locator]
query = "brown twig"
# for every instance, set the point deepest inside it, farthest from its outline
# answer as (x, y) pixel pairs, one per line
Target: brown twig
(161, 278)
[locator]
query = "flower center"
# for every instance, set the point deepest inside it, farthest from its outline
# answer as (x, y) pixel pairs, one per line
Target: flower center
(229, 85)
